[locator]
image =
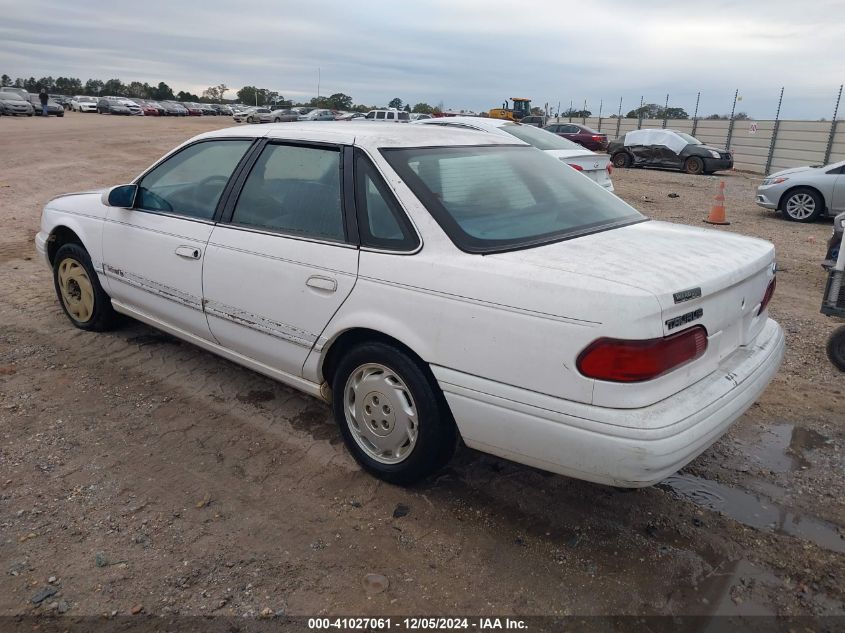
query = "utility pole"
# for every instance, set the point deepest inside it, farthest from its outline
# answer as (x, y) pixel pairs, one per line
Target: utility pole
(318, 83)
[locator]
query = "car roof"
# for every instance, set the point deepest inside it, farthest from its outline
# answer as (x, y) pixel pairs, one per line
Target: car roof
(368, 134)
(477, 121)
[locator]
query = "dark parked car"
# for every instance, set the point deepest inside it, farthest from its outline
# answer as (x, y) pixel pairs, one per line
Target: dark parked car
(62, 100)
(52, 107)
(207, 109)
(173, 109)
(222, 110)
(11, 104)
(668, 149)
(581, 134)
(112, 105)
(536, 121)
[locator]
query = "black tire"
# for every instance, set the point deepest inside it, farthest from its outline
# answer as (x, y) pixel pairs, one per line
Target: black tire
(836, 348)
(694, 165)
(249, 119)
(102, 316)
(621, 160)
(436, 431)
(793, 195)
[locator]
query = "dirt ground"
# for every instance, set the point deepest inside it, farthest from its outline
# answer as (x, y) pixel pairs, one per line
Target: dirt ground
(139, 473)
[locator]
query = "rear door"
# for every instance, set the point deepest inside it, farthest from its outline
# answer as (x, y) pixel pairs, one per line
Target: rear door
(837, 199)
(285, 258)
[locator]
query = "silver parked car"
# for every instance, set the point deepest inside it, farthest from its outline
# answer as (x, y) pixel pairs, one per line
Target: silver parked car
(803, 194)
(12, 104)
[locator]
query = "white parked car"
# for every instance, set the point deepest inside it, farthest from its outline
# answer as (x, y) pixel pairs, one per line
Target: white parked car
(433, 283)
(388, 116)
(596, 167)
(253, 115)
(81, 103)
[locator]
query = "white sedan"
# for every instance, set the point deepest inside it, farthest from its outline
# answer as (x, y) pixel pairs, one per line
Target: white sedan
(596, 167)
(433, 284)
(81, 103)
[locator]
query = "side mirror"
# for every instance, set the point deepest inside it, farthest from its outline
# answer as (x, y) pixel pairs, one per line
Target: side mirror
(122, 196)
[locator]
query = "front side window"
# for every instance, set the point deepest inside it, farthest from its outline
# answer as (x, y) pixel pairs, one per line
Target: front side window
(381, 221)
(498, 198)
(294, 190)
(191, 182)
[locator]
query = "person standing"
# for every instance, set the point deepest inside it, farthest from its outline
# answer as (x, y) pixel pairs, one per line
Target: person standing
(42, 96)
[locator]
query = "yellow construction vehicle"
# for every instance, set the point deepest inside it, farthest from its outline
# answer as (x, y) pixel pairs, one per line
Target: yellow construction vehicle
(521, 107)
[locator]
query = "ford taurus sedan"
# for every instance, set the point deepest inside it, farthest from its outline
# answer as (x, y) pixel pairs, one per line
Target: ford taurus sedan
(804, 194)
(433, 284)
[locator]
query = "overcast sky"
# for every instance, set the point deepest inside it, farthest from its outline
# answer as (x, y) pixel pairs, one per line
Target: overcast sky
(463, 53)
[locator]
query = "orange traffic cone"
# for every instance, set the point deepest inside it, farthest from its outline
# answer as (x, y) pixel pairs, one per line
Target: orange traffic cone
(717, 211)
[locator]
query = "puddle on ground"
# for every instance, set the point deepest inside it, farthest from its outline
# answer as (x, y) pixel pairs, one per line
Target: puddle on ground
(754, 510)
(784, 448)
(733, 588)
(315, 419)
(256, 397)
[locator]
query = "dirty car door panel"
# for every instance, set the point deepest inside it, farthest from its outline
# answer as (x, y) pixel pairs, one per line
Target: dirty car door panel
(153, 254)
(279, 269)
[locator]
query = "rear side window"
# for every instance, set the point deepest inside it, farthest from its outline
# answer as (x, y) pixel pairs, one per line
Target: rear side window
(381, 221)
(296, 190)
(379, 115)
(404, 116)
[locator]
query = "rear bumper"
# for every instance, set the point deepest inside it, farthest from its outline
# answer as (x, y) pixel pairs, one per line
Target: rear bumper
(622, 447)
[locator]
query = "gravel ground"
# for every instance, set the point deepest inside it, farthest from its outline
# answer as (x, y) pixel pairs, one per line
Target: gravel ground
(139, 474)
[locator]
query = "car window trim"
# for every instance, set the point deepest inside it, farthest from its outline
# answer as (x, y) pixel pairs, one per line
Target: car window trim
(404, 220)
(349, 224)
(223, 195)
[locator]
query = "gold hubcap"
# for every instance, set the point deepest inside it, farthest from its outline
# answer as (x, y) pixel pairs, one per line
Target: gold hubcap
(76, 290)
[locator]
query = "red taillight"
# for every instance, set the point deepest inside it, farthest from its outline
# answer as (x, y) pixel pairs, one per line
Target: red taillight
(575, 167)
(597, 137)
(609, 169)
(770, 290)
(620, 360)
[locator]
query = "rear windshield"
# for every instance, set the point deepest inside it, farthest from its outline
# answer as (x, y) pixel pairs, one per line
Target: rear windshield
(541, 139)
(499, 198)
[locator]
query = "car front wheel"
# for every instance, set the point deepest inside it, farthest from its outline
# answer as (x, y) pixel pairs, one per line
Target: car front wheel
(694, 165)
(391, 413)
(621, 159)
(802, 205)
(83, 299)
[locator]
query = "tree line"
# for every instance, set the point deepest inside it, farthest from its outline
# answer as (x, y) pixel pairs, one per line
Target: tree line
(248, 95)
(652, 111)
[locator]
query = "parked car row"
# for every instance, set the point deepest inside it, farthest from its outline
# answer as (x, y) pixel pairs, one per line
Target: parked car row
(282, 115)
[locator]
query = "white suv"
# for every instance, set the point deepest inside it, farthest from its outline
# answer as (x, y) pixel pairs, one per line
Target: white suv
(393, 116)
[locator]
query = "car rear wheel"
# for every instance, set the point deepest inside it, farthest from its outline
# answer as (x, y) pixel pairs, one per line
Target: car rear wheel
(802, 205)
(393, 417)
(836, 348)
(82, 297)
(694, 165)
(621, 159)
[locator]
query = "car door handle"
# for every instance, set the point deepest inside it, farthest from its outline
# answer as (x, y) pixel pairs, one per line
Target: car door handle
(322, 283)
(188, 252)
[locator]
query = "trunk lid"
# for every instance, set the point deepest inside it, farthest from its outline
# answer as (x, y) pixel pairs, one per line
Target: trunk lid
(699, 276)
(592, 165)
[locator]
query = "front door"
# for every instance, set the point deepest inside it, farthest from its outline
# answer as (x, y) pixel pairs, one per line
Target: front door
(153, 254)
(283, 264)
